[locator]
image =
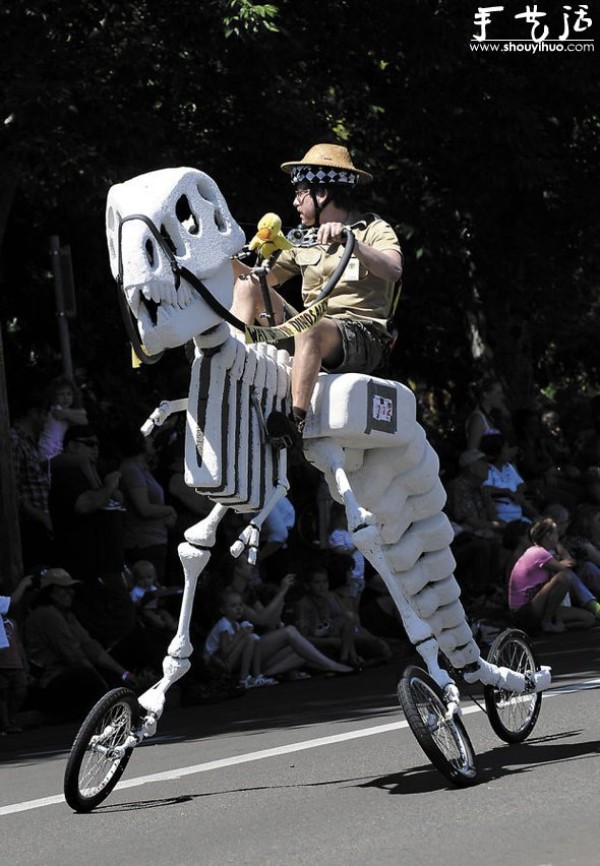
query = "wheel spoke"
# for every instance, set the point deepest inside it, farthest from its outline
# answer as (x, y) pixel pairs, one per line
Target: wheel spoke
(444, 740)
(102, 749)
(100, 764)
(512, 715)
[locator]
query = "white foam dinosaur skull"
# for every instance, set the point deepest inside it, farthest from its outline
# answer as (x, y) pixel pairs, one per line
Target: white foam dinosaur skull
(190, 213)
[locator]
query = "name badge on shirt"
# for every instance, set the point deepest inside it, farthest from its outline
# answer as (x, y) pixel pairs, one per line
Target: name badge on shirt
(352, 272)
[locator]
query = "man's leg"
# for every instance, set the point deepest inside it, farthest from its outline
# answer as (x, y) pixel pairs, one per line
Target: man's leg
(248, 304)
(322, 344)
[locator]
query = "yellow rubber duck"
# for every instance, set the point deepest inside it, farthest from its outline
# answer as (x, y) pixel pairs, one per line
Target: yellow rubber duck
(269, 238)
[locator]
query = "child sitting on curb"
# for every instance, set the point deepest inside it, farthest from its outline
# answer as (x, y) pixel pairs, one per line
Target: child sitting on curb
(232, 645)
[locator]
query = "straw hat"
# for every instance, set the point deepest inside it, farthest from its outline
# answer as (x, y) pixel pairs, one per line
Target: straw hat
(334, 161)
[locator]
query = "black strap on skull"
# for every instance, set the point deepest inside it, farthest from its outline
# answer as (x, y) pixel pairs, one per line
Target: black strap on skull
(252, 333)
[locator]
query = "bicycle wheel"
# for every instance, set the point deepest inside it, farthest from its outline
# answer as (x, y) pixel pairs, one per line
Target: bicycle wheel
(444, 741)
(101, 750)
(512, 716)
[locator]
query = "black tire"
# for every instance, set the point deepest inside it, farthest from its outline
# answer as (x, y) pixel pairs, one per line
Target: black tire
(512, 716)
(445, 742)
(90, 774)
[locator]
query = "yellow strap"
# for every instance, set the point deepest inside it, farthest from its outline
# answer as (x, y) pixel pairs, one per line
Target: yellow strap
(296, 325)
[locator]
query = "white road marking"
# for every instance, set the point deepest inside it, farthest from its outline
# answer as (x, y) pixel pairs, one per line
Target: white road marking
(171, 775)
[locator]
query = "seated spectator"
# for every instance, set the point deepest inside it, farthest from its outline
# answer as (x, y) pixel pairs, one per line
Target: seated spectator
(148, 598)
(283, 650)
(88, 526)
(470, 503)
(189, 505)
(540, 582)
(343, 584)
(232, 645)
(590, 484)
(576, 540)
(31, 478)
(147, 518)
(489, 417)
(545, 480)
(72, 668)
(506, 486)
(13, 678)
(560, 450)
(378, 611)
(478, 532)
(340, 541)
(560, 515)
(321, 618)
(276, 528)
(515, 540)
(480, 571)
(64, 409)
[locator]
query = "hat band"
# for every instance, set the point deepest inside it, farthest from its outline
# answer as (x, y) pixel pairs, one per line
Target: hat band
(320, 174)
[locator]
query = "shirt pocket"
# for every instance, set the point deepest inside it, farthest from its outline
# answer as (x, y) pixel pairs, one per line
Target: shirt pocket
(310, 257)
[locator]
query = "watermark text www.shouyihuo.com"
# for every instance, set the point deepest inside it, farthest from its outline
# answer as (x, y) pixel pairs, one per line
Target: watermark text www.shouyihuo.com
(532, 30)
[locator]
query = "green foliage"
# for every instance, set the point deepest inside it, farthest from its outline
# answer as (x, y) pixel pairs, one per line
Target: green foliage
(485, 163)
(244, 18)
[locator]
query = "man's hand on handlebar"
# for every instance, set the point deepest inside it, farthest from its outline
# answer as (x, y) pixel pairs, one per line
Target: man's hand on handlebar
(331, 233)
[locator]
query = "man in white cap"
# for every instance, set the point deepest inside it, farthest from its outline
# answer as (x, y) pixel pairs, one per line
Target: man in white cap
(354, 334)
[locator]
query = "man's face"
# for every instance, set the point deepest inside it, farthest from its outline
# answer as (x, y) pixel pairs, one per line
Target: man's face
(63, 595)
(304, 204)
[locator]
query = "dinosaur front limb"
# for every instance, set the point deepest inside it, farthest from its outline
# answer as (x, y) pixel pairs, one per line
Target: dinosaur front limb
(176, 663)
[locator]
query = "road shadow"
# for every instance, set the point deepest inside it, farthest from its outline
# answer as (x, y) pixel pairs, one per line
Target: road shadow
(185, 798)
(502, 760)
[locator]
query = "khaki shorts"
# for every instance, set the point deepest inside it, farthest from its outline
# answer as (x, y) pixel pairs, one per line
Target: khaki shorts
(364, 346)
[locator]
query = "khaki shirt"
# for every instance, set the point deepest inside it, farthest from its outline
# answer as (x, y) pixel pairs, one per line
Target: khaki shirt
(358, 294)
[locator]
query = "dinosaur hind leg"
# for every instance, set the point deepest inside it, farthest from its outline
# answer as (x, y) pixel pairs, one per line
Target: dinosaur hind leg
(367, 538)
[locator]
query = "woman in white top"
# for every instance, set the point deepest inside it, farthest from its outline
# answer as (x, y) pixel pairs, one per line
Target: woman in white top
(507, 488)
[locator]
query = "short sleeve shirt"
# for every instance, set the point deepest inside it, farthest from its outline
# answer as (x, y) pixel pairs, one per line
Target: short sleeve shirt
(213, 639)
(4, 605)
(507, 478)
(367, 298)
(528, 572)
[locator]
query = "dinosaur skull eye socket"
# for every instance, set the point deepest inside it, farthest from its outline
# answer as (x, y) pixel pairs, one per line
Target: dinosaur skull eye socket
(186, 217)
(150, 252)
(220, 221)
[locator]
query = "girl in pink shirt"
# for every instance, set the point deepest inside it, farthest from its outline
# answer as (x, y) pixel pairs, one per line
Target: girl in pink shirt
(539, 583)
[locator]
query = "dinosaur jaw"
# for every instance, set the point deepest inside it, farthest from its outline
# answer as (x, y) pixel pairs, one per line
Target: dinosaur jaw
(169, 317)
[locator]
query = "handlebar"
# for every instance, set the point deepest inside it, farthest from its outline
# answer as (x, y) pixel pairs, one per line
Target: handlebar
(342, 264)
(312, 313)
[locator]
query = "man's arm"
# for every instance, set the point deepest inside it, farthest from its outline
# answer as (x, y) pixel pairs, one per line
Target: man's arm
(384, 264)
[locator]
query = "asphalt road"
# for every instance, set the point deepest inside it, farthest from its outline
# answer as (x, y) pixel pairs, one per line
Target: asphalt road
(323, 771)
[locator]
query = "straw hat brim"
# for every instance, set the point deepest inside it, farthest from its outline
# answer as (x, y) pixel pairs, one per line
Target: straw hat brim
(329, 156)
